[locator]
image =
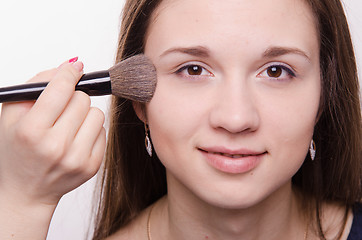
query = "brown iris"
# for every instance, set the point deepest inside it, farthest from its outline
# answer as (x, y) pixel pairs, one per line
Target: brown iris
(275, 72)
(194, 70)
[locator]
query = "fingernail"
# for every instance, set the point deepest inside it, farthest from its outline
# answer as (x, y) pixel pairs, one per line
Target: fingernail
(78, 65)
(73, 60)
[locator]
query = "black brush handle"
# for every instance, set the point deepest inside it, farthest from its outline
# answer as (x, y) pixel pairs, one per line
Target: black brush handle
(94, 84)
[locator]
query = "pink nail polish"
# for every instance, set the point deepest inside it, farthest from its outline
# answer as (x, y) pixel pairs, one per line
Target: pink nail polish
(73, 60)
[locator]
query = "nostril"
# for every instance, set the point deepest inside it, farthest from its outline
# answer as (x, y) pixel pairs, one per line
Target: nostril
(235, 108)
(235, 122)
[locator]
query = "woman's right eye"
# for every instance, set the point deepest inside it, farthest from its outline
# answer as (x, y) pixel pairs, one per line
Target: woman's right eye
(193, 70)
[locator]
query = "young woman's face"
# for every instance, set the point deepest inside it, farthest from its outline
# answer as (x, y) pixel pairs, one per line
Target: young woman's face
(237, 96)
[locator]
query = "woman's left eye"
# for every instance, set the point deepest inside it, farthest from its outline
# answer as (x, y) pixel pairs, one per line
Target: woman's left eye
(193, 70)
(279, 72)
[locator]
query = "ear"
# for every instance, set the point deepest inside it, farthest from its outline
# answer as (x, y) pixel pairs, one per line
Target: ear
(140, 110)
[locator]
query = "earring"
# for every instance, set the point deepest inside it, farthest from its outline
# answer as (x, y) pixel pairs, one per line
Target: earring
(148, 141)
(312, 150)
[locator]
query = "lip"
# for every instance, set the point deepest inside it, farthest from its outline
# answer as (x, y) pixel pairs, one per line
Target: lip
(232, 161)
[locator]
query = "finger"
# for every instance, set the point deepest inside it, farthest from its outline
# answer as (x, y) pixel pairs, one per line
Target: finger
(44, 76)
(97, 154)
(47, 75)
(53, 100)
(89, 131)
(80, 151)
(79, 167)
(73, 116)
(11, 112)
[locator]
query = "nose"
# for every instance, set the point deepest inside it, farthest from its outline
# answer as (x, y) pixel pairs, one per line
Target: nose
(235, 108)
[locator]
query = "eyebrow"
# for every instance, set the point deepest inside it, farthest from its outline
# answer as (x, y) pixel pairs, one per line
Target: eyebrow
(199, 51)
(271, 52)
(280, 51)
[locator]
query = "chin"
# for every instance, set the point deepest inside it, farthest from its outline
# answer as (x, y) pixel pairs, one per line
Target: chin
(246, 197)
(234, 201)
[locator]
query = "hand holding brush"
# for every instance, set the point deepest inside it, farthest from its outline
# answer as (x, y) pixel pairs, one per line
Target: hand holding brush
(53, 145)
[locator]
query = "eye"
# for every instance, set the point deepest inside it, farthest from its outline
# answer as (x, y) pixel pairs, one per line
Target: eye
(279, 72)
(193, 70)
(274, 71)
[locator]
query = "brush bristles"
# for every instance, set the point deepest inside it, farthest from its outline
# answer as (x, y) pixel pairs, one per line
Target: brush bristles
(134, 78)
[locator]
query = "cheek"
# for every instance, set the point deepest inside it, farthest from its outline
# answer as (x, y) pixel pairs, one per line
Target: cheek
(292, 122)
(287, 130)
(173, 119)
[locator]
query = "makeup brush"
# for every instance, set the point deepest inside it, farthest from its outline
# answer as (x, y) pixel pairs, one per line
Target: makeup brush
(133, 78)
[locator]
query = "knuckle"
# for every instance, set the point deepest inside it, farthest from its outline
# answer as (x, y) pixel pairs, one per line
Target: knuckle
(26, 135)
(83, 99)
(103, 132)
(98, 114)
(40, 144)
(103, 136)
(53, 150)
(69, 72)
(84, 163)
(93, 169)
(73, 166)
(94, 165)
(74, 163)
(64, 84)
(66, 78)
(87, 169)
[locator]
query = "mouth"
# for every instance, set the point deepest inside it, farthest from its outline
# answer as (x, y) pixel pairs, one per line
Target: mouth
(236, 155)
(233, 155)
(229, 161)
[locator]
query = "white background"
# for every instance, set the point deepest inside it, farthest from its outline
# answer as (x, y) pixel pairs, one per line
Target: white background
(41, 34)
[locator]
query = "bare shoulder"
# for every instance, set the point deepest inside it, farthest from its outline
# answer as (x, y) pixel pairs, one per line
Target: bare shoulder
(137, 229)
(336, 216)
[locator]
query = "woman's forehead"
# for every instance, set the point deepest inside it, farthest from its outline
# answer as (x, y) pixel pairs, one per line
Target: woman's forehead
(235, 9)
(234, 22)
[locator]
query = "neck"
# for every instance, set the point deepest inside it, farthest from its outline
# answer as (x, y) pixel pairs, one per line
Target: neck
(184, 216)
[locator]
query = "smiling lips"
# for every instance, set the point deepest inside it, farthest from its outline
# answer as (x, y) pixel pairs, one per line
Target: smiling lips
(232, 155)
(232, 161)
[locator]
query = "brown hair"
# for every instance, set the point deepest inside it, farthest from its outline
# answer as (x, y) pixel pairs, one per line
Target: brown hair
(335, 175)
(132, 181)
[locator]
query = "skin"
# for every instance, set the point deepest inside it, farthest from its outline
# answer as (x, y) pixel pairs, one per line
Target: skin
(234, 106)
(217, 102)
(48, 148)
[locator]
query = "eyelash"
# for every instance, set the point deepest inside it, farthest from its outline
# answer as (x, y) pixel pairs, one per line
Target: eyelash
(181, 71)
(287, 70)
